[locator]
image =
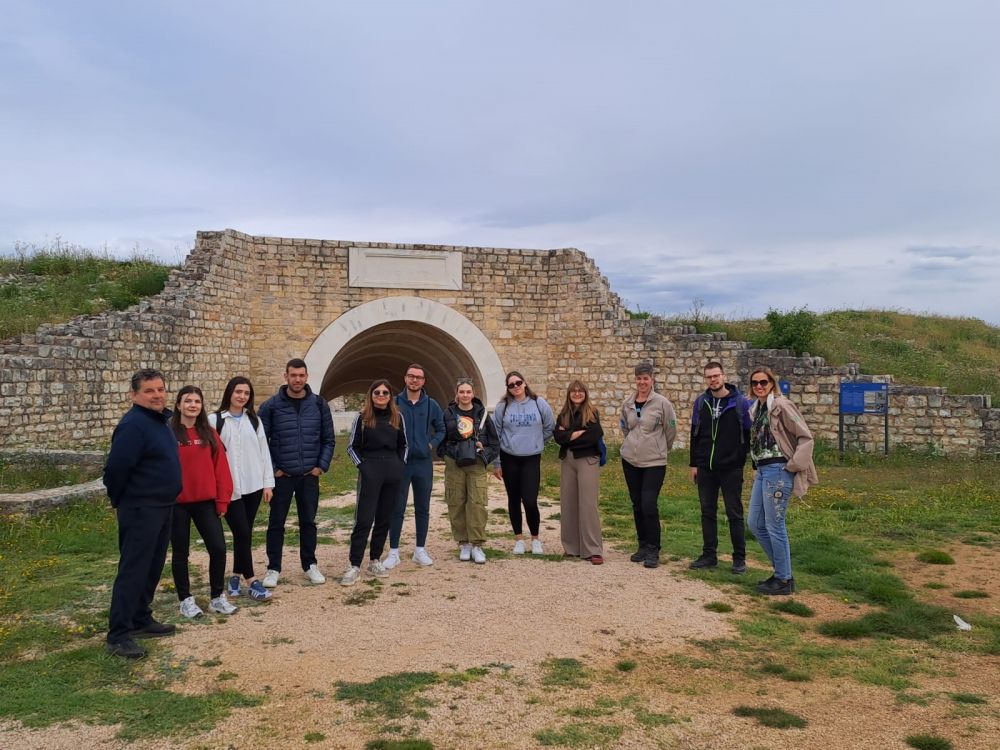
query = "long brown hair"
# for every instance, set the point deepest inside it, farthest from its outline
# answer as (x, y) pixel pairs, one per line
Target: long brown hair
(527, 388)
(201, 425)
(368, 410)
(587, 411)
(227, 396)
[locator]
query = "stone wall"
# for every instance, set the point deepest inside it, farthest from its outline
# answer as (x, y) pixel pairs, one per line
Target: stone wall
(244, 304)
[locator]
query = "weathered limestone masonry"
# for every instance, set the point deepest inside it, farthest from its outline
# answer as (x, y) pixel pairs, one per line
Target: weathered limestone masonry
(244, 304)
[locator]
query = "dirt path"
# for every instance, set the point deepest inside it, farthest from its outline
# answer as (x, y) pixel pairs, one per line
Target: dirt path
(505, 619)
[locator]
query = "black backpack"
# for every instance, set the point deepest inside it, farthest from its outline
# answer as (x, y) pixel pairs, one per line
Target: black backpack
(220, 420)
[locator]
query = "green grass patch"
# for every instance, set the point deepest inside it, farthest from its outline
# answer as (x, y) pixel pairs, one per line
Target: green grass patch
(771, 717)
(911, 620)
(54, 283)
(568, 673)
(928, 742)
(973, 699)
(625, 665)
(40, 473)
(314, 737)
(582, 734)
(107, 691)
(780, 670)
(719, 607)
(392, 696)
(792, 607)
(408, 744)
(935, 557)
(650, 719)
(936, 585)
(970, 594)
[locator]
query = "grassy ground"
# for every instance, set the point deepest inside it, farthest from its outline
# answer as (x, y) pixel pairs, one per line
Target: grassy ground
(54, 283)
(39, 474)
(848, 537)
(962, 354)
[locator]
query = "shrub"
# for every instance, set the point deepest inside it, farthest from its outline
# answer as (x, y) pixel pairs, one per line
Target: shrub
(795, 330)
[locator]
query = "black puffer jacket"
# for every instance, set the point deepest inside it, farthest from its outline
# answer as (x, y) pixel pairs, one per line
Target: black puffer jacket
(487, 434)
(300, 436)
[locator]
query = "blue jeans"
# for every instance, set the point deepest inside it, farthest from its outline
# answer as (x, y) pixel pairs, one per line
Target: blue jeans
(420, 473)
(769, 498)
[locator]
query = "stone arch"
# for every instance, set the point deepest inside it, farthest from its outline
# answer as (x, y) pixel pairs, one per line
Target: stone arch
(380, 338)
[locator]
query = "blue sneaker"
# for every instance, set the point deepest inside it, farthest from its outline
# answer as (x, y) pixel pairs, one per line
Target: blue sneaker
(258, 592)
(234, 586)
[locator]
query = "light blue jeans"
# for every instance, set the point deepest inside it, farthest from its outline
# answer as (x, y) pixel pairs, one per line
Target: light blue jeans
(769, 498)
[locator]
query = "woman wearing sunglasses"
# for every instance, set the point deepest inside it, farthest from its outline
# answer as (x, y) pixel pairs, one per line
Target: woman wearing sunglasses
(524, 422)
(378, 449)
(470, 445)
(781, 448)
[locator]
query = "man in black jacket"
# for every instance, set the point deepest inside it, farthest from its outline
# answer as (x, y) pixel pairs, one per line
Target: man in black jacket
(143, 477)
(720, 440)
(299, 429)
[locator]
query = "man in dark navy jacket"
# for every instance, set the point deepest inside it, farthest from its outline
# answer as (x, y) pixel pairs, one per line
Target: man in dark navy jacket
(299, 430)
(143, 478)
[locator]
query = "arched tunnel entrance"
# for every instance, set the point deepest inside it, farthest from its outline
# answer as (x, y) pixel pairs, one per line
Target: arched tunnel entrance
(385, 350)
(380, 338)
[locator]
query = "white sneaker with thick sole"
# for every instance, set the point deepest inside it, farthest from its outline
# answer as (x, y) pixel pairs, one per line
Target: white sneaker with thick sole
(391, 560)
(351, 576)
(519, 547)
(221, 606)
(377, 569)
(313, 575)
(270, 579)
(190, 608)
(420, 557)
(465, 552)
(536, 547)
(478, 556)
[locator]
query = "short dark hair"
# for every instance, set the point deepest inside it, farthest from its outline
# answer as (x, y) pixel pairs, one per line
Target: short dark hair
(415, 366)
(712, 365)
(143, 375)
(296, 364)
(644, 368)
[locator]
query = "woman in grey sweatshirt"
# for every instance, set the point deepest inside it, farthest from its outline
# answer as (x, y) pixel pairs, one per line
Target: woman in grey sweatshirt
(524, 422)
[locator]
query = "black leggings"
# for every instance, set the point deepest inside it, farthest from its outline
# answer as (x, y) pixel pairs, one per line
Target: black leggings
(378, 492)
(521, 477)
(240, 518)
(210, 527)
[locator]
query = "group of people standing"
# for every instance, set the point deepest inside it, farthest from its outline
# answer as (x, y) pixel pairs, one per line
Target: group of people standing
(166, 470)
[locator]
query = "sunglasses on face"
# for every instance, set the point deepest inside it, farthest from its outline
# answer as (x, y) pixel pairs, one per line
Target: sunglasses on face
(515, 384)
(380, 393)
(759, 383)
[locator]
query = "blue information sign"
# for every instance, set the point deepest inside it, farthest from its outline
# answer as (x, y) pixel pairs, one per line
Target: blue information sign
(864, 398)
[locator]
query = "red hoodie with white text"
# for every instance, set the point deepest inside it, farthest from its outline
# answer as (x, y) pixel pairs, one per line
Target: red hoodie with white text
(204, 477)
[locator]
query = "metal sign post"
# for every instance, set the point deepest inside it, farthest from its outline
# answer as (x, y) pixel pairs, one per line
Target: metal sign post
(864, 398)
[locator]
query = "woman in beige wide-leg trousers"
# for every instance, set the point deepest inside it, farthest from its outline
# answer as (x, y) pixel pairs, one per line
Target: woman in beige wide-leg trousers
(579, 435)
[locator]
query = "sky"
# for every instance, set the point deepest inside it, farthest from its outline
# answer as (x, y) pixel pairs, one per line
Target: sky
(736, 155)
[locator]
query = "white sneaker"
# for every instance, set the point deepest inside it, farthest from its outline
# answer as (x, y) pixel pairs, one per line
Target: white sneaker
(465, 552)
(313, 575)
(270, 579)
(391, 560)
(190, 608)
(420, 557)
(377, 569)
(351, 576)
(536, 547)
(519, 547)
(478, 556)
(221, 606)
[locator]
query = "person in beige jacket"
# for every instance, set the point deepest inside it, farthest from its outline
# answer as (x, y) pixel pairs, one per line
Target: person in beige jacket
(781, 448)
(649, 426)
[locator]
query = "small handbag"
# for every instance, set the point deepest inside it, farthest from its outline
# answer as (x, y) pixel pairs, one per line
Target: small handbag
(603, 448)
(465, 452)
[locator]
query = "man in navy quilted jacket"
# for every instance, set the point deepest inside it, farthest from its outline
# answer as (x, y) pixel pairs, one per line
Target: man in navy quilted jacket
(299, 430)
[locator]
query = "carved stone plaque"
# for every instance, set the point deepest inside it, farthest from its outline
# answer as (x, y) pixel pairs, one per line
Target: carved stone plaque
(402, 268)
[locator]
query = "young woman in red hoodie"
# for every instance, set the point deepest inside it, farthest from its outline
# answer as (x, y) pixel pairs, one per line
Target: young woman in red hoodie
(207, 488)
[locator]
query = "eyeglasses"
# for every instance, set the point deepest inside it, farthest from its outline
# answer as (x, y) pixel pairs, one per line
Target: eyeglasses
(380, 393)
(577, 390)
(759, 383)
(515, 384)
(415, 377)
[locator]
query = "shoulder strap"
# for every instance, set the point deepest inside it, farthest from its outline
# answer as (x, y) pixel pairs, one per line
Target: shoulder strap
(219, 421)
